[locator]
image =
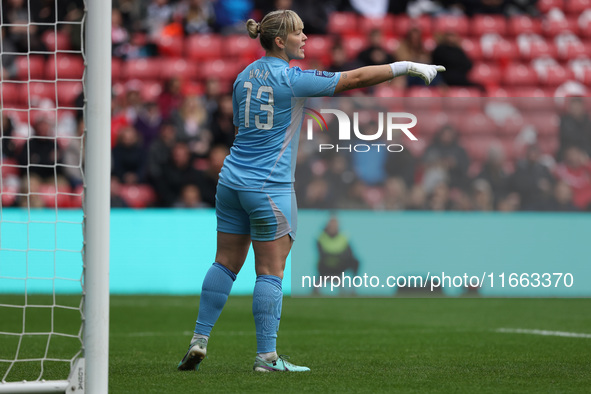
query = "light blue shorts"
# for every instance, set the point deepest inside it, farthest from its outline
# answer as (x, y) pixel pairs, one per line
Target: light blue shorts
(265, 215)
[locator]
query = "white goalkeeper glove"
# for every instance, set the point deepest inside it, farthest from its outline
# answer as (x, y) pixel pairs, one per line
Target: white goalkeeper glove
(427, 72)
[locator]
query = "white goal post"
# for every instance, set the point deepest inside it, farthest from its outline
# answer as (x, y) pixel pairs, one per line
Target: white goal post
(89, 366)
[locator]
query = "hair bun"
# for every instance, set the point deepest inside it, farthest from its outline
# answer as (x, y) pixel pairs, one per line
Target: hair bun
(259, 27)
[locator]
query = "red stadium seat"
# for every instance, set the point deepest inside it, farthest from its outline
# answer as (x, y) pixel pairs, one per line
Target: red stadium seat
(342, 23)
(191, 88)
(554, 26)
(223, 70)
(385, 24)
(203, 47)
(143, 69)
(484, 24)
(517, 74)
(572, 50)
(39, 90)
(538, 49)
(56, 40)
(446, 23)
(64, 67)
(522, 24)
(116, 69)
(181, 68)
(577, 6)
(476, 123)
(137, 196)
(76, 198)
(500, 50)
(477, 147)
(8, 167)
(485, 73)
(532, 98)
(170, 46)
(30, 67)
(8, 195)
(243, 47)
(497, 92)
(52, 197)
(150, 90)
(472, 48)
(319, 47)
(385, 91)
(461, 98)
(555, 75)
(402, 24)
(391, 44)
(354, 44)
(546, 5)
(67, 92)
(546, 122)
(429, 123)
(423, 97)
(12, 96)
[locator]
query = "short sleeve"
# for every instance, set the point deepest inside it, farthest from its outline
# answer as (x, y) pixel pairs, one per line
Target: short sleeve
(312, 83)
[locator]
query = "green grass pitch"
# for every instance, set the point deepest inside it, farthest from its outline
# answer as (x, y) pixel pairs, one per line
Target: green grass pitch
(358, 345)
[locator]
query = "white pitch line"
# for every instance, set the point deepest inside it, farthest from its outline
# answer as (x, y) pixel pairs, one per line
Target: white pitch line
(544, 332)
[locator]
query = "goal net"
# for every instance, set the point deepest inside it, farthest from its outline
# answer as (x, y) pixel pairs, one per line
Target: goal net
(44, 179)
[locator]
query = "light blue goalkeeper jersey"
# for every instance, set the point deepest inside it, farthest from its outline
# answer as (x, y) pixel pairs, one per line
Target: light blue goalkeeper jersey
(264, 152)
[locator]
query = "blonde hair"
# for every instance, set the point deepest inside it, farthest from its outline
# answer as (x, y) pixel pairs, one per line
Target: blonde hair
(274, 24)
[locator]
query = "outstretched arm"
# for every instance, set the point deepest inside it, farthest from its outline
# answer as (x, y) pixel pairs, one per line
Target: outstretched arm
(373, 75)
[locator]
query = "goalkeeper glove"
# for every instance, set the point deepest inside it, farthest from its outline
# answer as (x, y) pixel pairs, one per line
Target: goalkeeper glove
(427, 72)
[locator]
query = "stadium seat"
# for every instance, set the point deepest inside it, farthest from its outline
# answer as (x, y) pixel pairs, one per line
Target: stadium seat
(38, 90)
(475, 123)
(224, 70)
(485, 73)
(545, 122)
(385, 90)
(499, 50)
(342, 23)
(576, 7)
(8, 195)
(484, 24)
(150, 90)
(56, 40)
(461, 98)
(548, 146)
(191, 88)
(546, 5)
(30, 67)
(64, 67)
(170, 46)
(429, 123)
(584, 24)
(181, 68)
(522, 24)
(67, 92)
(478, 146)
(554, 26)
(538, 49)
(556, 75)
(391, 44)
(518, 74)
(52, 197)
(203, 47)
(8, 167)
(143, 68)
(448, 23)
(572, 50)
(137, 196)
(354, 44)
(532, 98)
(319, 47)
(385, 24)
(472, 48)
(116, 69)
(403, 23)
(497, 91)
(244, 48)
(12, 96)
(76, 197)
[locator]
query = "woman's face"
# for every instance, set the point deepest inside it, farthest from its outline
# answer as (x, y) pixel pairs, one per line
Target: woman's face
(294, 45)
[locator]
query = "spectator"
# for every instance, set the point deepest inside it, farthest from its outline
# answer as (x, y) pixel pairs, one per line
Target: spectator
(128, 157)
(532, 181)
(452, 156)
(482, 196)
(178, 173)
(563, 198)
(575, 127)
(394, 194)
(40, 153)
(416, 199)
(160, 151)
(73, 154)
(340, 60)
(190, 122)
(8, 147)
(211, 174)
(116, 200)
(449, 53)
(412, 49)
(493, 172)
(171, 98)
(119, 35)
(159, 15)
(401, 164)
(198, 16)
(576, 173)
(222, 125)
(148, 123)
(190, 198)
(375, 54)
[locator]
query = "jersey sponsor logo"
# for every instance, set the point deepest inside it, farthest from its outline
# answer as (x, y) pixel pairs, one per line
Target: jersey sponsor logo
(325, 74)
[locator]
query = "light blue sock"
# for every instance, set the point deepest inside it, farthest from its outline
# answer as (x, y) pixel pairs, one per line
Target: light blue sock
(266, 308)
(216, 287)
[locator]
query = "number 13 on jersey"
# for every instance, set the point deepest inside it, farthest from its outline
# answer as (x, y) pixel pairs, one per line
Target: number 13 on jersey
(268, 108)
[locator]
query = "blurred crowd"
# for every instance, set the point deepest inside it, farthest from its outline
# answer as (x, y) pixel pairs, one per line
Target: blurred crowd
(167, 151)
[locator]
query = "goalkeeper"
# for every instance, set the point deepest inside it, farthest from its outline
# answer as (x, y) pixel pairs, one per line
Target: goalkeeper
(255, 200)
